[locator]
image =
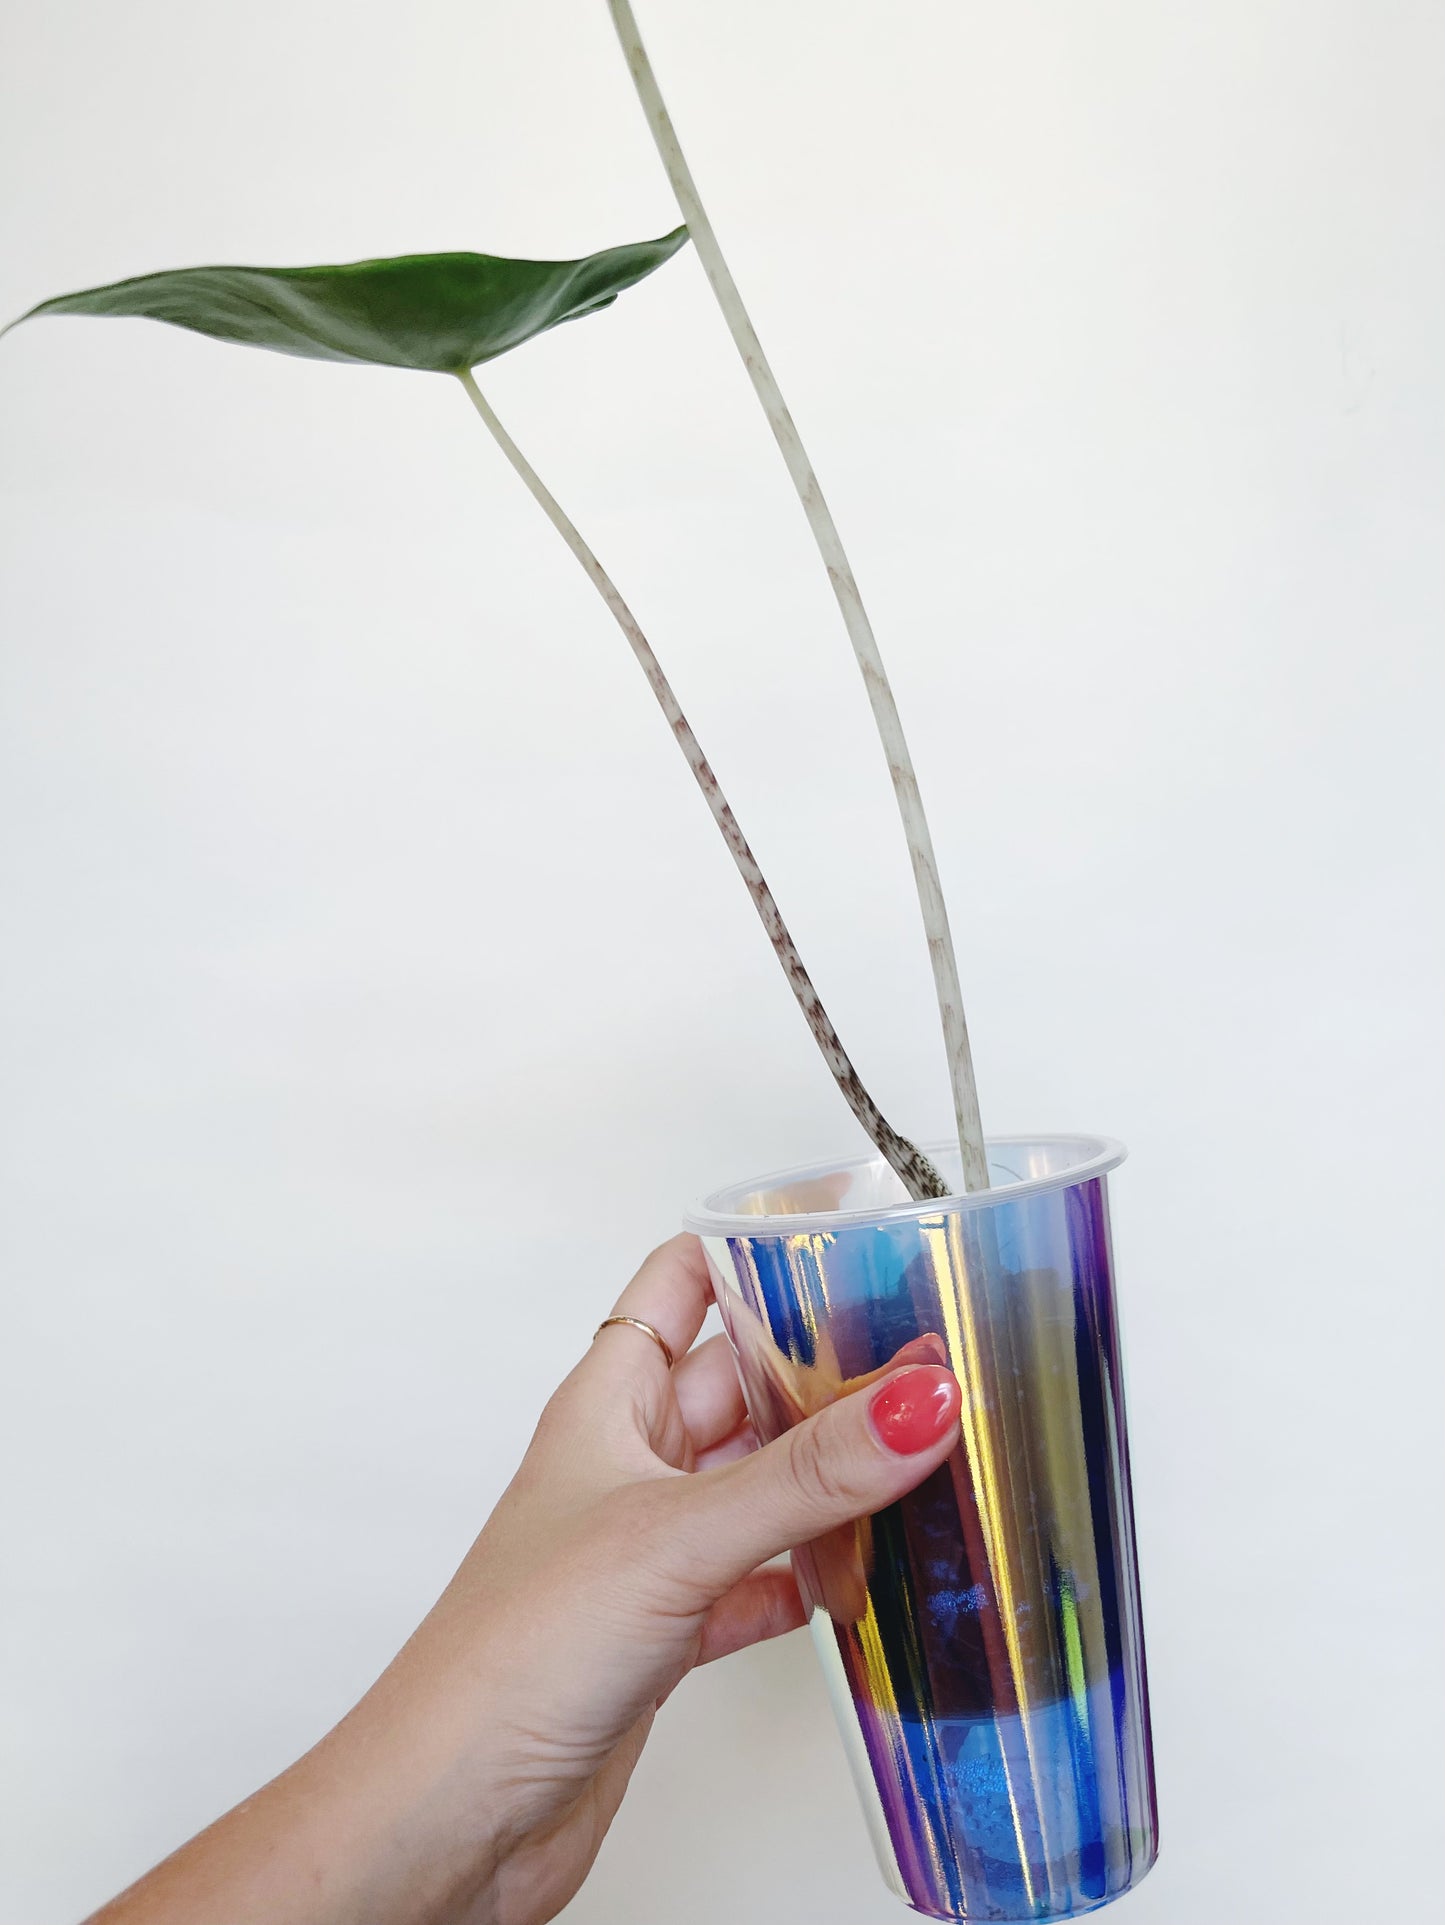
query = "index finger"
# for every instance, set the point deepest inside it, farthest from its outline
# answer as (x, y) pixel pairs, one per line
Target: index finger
(671, 1292)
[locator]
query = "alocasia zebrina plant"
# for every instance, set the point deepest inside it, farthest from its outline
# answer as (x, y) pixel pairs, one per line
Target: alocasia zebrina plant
(446, 314)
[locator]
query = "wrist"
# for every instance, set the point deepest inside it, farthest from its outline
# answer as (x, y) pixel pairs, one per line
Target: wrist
(407, 1795)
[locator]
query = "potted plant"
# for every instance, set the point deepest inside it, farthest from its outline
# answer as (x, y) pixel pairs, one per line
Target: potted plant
(982, 1637)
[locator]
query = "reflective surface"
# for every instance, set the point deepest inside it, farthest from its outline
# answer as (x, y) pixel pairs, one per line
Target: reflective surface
(981, 1638)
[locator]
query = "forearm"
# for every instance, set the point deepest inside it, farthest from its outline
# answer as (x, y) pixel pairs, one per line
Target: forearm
(390, 1820)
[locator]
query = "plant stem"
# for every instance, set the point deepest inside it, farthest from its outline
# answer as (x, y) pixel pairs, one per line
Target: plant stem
(919, 1176)
(845, 588)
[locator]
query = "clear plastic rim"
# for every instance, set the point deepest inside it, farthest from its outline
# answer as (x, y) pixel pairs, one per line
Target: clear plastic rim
(709, 1217)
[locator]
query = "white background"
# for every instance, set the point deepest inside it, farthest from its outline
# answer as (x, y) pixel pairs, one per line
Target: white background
(376, 990)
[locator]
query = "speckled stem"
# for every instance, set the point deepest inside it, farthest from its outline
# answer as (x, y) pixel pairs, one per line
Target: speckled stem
(919, 1176)
(845, 588)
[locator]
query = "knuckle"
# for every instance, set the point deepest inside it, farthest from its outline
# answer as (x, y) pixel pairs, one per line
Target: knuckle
(574, 1439)
(560, 1413)
(818, 1470)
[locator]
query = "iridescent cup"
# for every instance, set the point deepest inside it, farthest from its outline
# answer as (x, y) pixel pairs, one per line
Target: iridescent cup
(982, 1638)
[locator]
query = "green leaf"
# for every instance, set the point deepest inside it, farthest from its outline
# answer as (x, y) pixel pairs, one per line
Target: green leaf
(441, 312)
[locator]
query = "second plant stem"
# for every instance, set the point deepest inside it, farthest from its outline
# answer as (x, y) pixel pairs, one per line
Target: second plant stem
(918, 1174)
(845, 589)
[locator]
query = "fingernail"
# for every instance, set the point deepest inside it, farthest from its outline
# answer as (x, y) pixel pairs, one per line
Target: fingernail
(914, 1409)
(927, 1349)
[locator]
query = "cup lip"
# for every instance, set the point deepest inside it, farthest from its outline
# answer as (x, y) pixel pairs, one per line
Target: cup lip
(1098, 1155)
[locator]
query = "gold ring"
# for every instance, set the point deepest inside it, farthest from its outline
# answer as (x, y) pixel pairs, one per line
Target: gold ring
(637, 1324)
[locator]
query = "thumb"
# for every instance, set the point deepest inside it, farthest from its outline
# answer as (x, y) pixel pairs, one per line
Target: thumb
(861, 1453)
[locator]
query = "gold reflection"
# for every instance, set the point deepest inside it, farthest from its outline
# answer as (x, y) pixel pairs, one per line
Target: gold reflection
(944, 1240)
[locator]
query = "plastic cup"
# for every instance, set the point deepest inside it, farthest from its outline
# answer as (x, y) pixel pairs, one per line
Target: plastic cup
(982, 1638)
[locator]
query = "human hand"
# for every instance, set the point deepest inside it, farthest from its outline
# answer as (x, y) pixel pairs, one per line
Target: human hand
(473, 1785)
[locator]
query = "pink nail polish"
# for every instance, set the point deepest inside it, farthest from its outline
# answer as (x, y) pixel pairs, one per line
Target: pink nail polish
(915, 1408)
